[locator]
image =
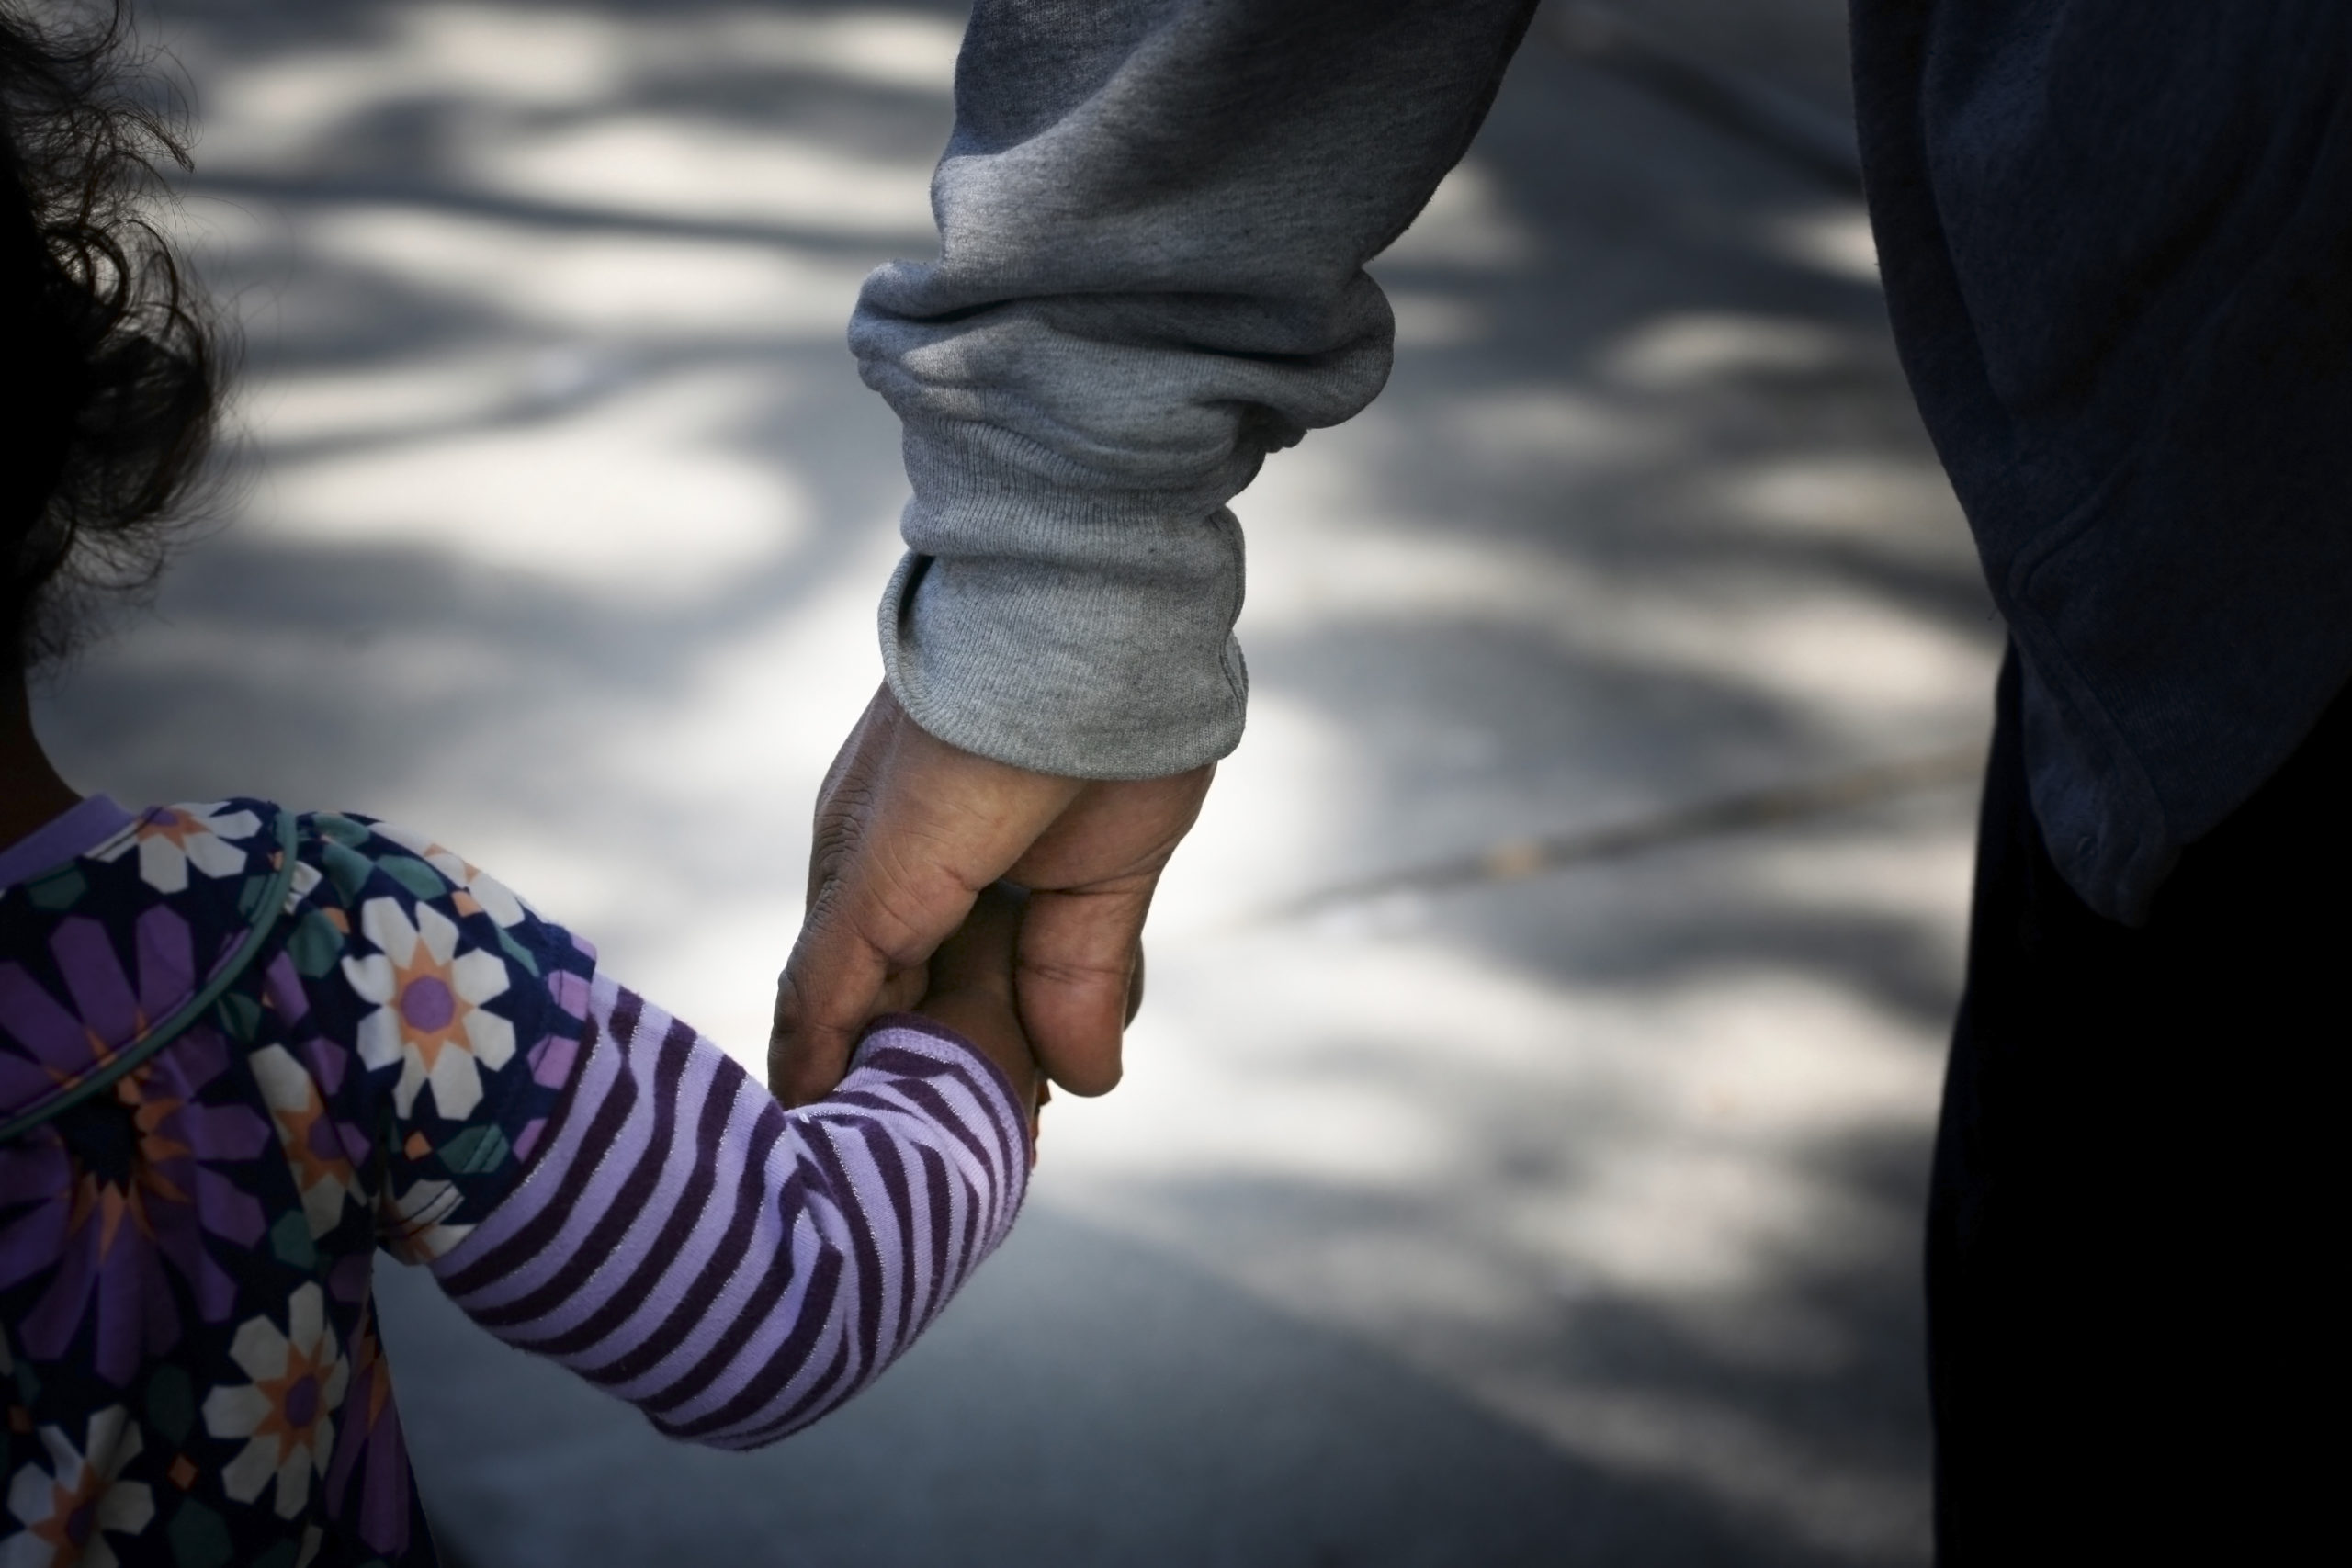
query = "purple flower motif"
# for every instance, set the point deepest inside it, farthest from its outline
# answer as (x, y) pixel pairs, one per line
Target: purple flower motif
(138, 1192)
(370, 1449)
(64, 1042)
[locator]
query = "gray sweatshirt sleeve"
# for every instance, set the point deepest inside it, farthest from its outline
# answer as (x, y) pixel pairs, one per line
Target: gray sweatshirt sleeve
(1154, 218)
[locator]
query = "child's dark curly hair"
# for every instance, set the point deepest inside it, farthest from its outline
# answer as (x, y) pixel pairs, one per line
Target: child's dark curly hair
(110, 376)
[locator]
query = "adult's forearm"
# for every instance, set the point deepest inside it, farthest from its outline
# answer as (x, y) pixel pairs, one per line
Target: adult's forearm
(1154, 221)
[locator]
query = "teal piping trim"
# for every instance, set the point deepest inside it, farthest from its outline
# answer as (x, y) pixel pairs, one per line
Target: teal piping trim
(273, 906)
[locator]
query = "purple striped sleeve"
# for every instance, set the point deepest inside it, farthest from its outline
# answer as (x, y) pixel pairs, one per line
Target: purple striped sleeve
(734, 1269)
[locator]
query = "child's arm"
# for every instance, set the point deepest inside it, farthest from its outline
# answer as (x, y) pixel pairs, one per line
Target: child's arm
(737, 1269)
(734, 1269)
(595, 1181)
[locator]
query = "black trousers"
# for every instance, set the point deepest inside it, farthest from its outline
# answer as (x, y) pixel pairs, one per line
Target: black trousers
(2134, 1352)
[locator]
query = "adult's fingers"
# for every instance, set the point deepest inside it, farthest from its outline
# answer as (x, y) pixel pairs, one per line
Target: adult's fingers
(1091, 877)
(1080, 955)
(907, 831)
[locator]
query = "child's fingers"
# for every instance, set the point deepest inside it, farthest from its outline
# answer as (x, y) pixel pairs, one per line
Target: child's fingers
(979, 957)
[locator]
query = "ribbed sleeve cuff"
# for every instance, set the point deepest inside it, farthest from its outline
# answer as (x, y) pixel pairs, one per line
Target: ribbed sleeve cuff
(1082, 632)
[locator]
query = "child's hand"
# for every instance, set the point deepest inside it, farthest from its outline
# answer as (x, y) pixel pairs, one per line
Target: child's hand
(971, 991)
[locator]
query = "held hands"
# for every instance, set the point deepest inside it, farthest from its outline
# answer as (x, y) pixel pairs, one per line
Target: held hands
(971, 993)
(908, 830)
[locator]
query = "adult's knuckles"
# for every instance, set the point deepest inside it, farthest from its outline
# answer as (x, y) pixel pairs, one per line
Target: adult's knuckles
(837, 837)
(1083, 972)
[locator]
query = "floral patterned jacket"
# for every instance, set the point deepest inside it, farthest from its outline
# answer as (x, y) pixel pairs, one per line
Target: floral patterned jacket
(190, 1369)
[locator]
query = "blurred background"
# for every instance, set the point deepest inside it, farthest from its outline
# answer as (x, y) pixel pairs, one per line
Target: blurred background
(1523, 1154)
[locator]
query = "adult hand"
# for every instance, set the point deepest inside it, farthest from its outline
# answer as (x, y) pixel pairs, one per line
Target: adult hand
(908, 830)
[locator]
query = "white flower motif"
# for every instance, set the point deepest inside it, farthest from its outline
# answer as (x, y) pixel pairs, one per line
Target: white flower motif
(429, 1016)
(412, 1230)
(477, 889)
(321, 1167)
(70, 1507)
(170, 839)
(306, 877)
(287, 1413)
